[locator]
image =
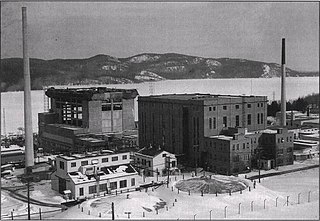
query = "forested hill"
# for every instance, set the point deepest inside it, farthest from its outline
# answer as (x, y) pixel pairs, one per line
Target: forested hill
(104, 69)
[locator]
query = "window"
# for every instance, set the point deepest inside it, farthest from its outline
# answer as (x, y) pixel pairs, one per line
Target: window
(113, 185)
(214, 123)
(124, 157)
(133, 181)
(233, 147)
(258, 118)
(164, 155)
(81, 191)
(261, 104)
(224, 107)
(73, 164)
(210, 108)
(238, 146)
(61, 165)
(225, 121)
(258, 104)
(123, 183)
(92, 189)
(214, 108)
(243, 146)
(280, 151)
(249, 105)
(237, 106)
(114, 158)
(210, 123)
(83, 163)
(248, 145)
(149, 163)
(103, 187)
(261, 118)
(104, 160)
(237, 121)
(173, 163)
(249, 119)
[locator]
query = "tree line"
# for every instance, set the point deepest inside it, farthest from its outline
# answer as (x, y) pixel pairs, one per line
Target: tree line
(301, 104)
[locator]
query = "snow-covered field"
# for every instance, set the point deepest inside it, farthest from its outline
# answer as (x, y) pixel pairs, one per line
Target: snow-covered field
(40, 191)
(257, 203)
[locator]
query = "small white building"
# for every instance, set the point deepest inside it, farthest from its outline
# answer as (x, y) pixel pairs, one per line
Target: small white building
(86, 175)
(151, 161)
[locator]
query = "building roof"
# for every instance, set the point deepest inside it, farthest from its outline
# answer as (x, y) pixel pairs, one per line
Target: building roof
(89, 154)
(198, 96)
(104, 174)
(222, 137)
(87, 93)
(150, 151)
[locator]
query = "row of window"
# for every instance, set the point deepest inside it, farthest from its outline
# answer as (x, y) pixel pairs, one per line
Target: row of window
(213, 123)
(237, 106)
(282, 140)
(280, 151)
(144, 162)
(86, 162)
(238, 146)
(103, 187)
(237, 158)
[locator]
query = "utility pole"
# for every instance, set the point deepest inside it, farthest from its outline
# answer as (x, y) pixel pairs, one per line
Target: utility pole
(196, 156)
(4, 122)
(28, 178)
(168, 171)
(259, 164)
(112, 210)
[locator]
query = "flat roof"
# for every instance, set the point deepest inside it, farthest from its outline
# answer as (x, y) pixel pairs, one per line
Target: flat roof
(93, 154)
(87, 93)
(222, 137)
(105, 173)
(198, 96)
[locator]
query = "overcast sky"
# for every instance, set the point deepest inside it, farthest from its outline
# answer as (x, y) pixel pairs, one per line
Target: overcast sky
(208, 29)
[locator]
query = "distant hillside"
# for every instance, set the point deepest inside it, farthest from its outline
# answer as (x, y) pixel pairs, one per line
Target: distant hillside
(105, 69)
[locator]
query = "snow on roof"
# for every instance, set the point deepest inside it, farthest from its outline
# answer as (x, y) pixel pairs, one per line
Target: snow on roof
(104, 174)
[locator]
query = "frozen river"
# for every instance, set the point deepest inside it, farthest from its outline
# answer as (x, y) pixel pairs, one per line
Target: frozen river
(12, 102)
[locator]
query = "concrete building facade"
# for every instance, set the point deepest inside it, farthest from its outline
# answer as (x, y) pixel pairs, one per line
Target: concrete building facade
(182, 123)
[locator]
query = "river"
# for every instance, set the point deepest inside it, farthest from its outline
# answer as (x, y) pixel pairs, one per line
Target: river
(12, 102)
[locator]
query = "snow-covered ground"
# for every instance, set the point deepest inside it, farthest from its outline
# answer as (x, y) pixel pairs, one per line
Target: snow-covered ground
(257, 203)
(39, 191)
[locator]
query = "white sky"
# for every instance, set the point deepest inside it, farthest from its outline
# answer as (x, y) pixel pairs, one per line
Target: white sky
(208, 29)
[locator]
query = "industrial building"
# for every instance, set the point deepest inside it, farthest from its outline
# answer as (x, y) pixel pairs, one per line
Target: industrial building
(181, 123)
(225, 134)
(86, 175)
(87, 119)
(277, 147)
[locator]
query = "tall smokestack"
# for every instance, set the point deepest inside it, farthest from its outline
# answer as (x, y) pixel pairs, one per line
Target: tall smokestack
(283, 84)
(27, 95)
